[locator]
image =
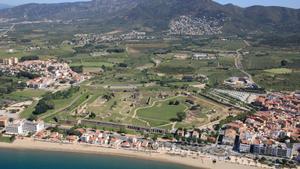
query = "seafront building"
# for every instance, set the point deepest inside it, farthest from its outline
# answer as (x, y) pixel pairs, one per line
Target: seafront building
(33, 127)
(23, 127)
(269, 132)
(15, 128)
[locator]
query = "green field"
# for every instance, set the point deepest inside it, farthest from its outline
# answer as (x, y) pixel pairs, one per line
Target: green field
(279, 71)
(6, 139)
(161, 112)
(225, 44)
(277, 82)
(29, 110)
(27, 94)
(264, 58)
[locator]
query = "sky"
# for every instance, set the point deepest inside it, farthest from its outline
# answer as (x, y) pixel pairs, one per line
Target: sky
(242, 3)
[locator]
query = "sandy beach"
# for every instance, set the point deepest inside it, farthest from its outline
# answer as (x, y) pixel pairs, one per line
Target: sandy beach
(204, 162)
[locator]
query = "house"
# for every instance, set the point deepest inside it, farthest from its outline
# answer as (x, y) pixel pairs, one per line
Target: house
(72, 138)
(11, 61)
(85, 138)
(229, 136)
(3, 121)
(180, 133)
(125, 144)
(145, 143)
(187, 78)
(195, 134)
(199, 56)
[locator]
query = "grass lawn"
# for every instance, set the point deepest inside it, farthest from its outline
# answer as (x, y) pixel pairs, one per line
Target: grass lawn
(161, 112)
(60, 105)
(28, 111)
(26, 94)
(279, 71)
(92, 64)
(6, 139)
(225, 45)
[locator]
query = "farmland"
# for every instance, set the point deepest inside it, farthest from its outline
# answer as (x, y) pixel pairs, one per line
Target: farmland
(136, 82)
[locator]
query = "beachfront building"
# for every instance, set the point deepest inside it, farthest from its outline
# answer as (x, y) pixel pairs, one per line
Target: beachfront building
(85, 138)
(271, 150)
(15, 127)
(32, 126)
(244, 148)
(22, 127)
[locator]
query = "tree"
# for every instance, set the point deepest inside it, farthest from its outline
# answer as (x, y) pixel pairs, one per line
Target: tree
(92, 115)
(123, 65)
(171, 102)
(10, 120)
(284, 63)
(77, 69)
(43, 106)
(25, 58)
(154, 137)
(32, 118)
(181, 116)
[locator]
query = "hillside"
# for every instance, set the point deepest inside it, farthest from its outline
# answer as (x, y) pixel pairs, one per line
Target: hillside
(162, 15)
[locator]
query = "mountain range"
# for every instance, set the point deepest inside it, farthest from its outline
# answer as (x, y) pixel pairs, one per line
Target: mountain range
(158, 14)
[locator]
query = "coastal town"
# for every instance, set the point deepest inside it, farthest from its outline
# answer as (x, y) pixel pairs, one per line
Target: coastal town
(186, 91)
(268, 130)
(271, 133)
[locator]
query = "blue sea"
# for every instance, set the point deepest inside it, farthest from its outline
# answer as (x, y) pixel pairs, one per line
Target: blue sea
(25, 159)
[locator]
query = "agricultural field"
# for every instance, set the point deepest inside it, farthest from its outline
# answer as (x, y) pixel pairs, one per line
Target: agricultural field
(278, 80)
(259, 59)
(158, 69)
(229, 45)
(274, 69)
(279, 71)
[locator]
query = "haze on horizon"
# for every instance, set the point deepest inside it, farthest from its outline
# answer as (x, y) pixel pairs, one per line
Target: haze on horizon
(242, 3)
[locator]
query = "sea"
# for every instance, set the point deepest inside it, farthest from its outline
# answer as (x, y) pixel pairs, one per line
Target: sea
(25, 159)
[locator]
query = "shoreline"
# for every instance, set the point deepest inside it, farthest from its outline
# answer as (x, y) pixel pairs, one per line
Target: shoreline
(201, 162)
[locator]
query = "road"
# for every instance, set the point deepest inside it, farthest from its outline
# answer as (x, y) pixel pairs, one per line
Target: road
(238, 61)
(9, 30)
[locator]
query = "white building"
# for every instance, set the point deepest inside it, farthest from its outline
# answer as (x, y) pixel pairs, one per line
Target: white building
(85, 138)
(245, 148)
(23, 127)
(33, 127)
(15, 128)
